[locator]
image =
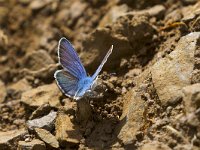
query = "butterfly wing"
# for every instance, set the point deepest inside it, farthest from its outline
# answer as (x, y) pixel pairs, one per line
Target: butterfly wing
(102, 63)
(69, 59)
(66, 82)
(69, 79)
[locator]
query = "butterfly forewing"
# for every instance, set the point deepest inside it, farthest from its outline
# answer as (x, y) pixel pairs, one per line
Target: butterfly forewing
(69, 59)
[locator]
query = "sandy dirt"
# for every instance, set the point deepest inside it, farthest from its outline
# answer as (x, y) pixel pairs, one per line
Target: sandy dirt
(148, 91)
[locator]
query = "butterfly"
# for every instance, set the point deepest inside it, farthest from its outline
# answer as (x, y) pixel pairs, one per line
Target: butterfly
(73, 79)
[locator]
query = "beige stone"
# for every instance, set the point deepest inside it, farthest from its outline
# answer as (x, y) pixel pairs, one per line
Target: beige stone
(132, 117)
(37, 60)
(41, 95)
(45, 122)
(8, 139)
(47, 137)
(172, 73)
(20, 86)
(66, 131)
(191, 98)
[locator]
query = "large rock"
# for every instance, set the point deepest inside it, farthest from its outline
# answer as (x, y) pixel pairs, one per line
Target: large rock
(45, 122)
(66, 131)
(112, 15)
(16, 89)
(9, 139)
(172, 73)
(68, 17)
(191, 98)
(140, 105)
(47, 137)
(128, 35)
(20, 86)
(3, 92)
(35, 144)
(37, 60)
(80, 7)
(41, 95)
(45, 73)
(132, 118)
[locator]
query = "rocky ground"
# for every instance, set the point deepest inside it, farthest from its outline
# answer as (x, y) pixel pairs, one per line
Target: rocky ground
(151, 82)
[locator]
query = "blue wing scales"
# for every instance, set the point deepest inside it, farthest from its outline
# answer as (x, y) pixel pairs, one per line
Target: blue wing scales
(66, 82)
(69, 59)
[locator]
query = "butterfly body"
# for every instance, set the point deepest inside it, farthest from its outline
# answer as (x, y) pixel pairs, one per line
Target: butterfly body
(73, 80)
(84, 85)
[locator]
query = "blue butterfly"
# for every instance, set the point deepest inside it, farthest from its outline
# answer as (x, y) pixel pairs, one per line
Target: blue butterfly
(73, 80)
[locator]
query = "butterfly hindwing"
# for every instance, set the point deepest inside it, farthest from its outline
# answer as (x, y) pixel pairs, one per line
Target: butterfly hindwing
(69, 59)
(67, 82)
